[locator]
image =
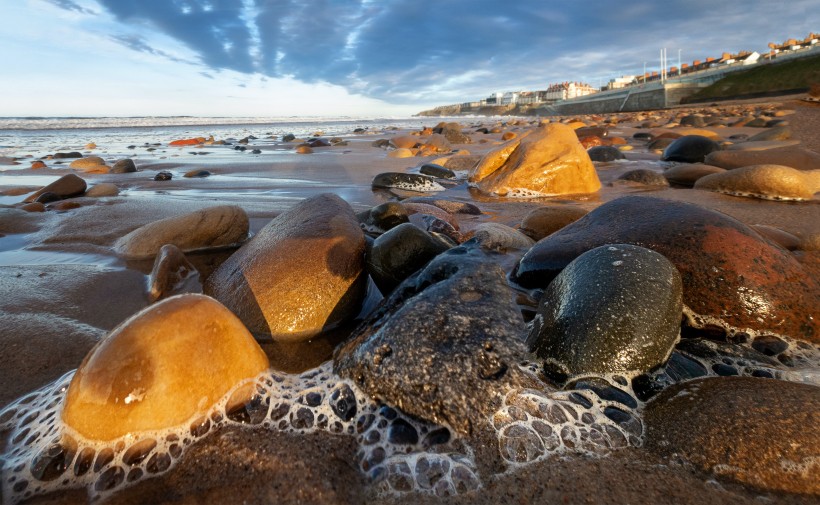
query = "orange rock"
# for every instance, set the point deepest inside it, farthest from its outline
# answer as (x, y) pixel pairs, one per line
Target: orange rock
(161, 368)
(304, 150)
(38, 164)
(547, 161)
(591, 141)
(187, 142)
(616, 141)
(404, 141)
(508, 136)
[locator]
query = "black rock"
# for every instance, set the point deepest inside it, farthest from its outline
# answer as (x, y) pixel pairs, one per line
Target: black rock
(256, 151)
(163, 176)
(399, 253)
(288, 137)
(643, 135)
(661, 143)
(381, 143)
(437, 171)
(197, 173)
(124, 166)
(605, 153)
(48, 197)
(444, 346)
(693, 120)
(409, 182)
(72, 154)
(644, 176)
(386, 216)
(690, 149)
(615, 308)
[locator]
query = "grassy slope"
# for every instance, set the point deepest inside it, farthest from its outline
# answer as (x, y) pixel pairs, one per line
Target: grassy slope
(793, 74)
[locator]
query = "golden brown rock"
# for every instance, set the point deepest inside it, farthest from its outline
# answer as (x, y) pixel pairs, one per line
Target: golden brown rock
(404, 141)
(300, 274)
(547, 161)
(161, 368)
(769, 182)
(400, 153)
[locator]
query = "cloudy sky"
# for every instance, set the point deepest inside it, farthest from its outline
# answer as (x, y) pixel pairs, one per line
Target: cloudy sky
(349, 57)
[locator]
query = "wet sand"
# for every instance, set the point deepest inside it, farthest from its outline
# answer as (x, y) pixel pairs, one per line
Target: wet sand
(62, 289)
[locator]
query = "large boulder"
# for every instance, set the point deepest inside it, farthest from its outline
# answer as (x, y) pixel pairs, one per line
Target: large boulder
(795, 157)
(761, 432)
(616, 308)
(301, 274)
(768, 182)
(546, 161)
(212, 227)
(65, 187)
(729, 271)
(444, 346)
(161, 368)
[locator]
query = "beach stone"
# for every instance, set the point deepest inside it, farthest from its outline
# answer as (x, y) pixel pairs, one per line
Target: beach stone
(605, 153)
(212, 227)
(399, 253)
(615, 308)
(591, 131)
(303, 150)
(171, 269)
(387, 215)
(690, 149)
(438, 143)
(546, 220)
(761, 145)
(767, 182)
(33, 207)
(645, 177)
(776, 133)
(684, 131)
(434, 170)
(755, 431)
(163, 176)
(162, 367)
(90, 164)
(37, 164)
(197, 173)
(64, 205)
(590, 142)
(303, 273)
(728, 271)
(795, 157)
(404, 141)
(693, 120)
(187, 142)
(660, 144)
(65, 187)
(400, 153)
(444, 346)
(451, 206)
(102, 189)
(47, 197)
(782, 238)
(688, 174)
(459, 162)
(508, 135)
(452, 132)
(432, 210)
(288, 137)
(124, 166)
(409, 182)
(545, 161)
(72, 154)
(499, 237)
(757, 122)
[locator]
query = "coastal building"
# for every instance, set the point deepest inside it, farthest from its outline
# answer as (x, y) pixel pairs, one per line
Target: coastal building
(567, 90)
(620, 82)
(509, 98)
(494, 99)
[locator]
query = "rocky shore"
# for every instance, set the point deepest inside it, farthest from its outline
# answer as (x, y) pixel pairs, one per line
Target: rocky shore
(607, 309)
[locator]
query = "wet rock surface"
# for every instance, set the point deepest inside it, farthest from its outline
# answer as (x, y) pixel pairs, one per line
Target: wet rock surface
(399, 253)
(769, 182)
(444, 345)
(794, 157)
(756, 431)
(65, 187)
(615, 308)
(728, 271)
(690, 149)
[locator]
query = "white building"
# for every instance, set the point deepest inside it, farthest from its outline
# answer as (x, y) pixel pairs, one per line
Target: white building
(620, 82)
(567, 90)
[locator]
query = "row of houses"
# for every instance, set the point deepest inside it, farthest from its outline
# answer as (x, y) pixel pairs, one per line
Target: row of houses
(568, 90)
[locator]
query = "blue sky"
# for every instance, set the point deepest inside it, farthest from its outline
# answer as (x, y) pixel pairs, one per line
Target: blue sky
(354, 57)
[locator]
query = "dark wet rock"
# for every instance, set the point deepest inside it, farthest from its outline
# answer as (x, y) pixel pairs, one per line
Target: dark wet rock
(546, 220)
(289, 137)
(729, 272)
(678, 368)
(605, 153)
(644, 176)
(318, 143)
(769, 345)
(163, 176)
(47, 197)
(72, 154)
(616, 308)
(437, 171)
(693, 120)
(756, 431)
(690, 149)
(197, 173)
(604, 390)
(452, 132)
(499, 237)
(738, 137)
(592, 131)
(776, 133)
(451, 206)
(715, 351)
(757, 122)
(660, 144)
(256, 151)
(303, 273)
(124, 166)
(409, 182)
(444, 346)
(171, 272)
(386, 216)
(794, 157)
(643, 136)
(102, 189)
(688, 174)
(380, 143)
(431, 210)
(65, 187)
(400, 253)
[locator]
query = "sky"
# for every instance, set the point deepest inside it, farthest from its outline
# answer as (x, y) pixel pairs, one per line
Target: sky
(362, 58)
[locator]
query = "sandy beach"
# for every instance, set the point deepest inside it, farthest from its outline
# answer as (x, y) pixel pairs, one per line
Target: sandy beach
(72, 272)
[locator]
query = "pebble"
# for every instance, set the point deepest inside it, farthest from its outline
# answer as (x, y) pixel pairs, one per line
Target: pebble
(645, 177)
(198, 173)
(546, 220)
(399, 253)
(687, 174)
(171, 270)
(499, 237)
(435, 170)
(767, 182)
(795, 157)
(690, 149)
(605, 153)
(66, 186)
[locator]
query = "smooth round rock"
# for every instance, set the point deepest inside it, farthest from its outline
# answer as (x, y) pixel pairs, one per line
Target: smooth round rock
(171, 270)
(72, 154)
(645, 177)
(302, 274)
(387, 215)
(451, 206)
(688, 174)
(65, 187)
(399, 253)
(197, 173)
(90, 164)
(546, 220)
(102, 189)
(437, 171)
(499, 237)
(212, 227)
(401, 153)
(761, 432)
(37, 164)
(794, 157)
(767, 182)
(124, 166)
(303, 150)
(163, 176)
(445, 346)
(409, 182)
(615, 308)
(775, 133)
(162, 367)
(605, 153)
(47, 197)
(690, 149)
(404, 141)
